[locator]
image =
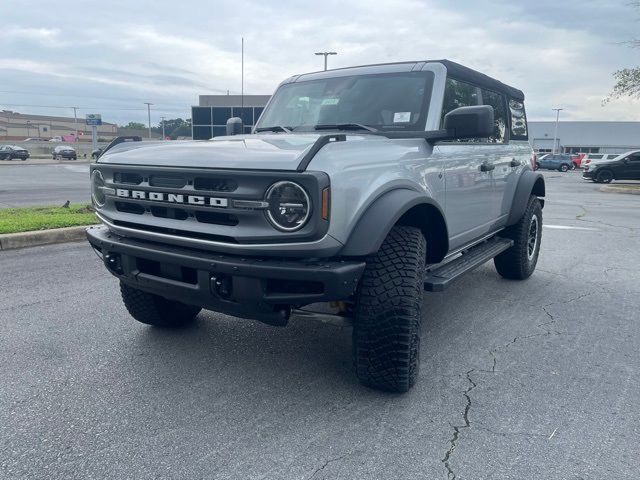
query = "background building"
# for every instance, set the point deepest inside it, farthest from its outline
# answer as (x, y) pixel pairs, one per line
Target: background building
(18, 126)
(210, 117)
(585, 137)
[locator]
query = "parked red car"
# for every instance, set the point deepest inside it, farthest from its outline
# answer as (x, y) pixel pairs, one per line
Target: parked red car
(576, 159)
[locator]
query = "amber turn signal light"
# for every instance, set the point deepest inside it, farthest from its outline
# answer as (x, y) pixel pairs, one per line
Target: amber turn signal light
(326, 199)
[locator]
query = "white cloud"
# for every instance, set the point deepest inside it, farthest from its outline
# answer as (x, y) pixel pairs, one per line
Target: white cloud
(153, 51)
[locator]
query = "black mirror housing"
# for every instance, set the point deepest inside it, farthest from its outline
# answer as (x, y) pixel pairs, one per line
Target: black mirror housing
(470, 122)
(235, 126)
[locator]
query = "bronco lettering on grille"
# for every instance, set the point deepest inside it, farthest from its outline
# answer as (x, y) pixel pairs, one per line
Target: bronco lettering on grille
(172, 197)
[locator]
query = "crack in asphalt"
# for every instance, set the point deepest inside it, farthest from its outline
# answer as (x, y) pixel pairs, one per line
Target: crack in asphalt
(546, 331)
(331, 460)
(453, 443)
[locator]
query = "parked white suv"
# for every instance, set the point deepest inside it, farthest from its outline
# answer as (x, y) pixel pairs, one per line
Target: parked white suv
(597, 157)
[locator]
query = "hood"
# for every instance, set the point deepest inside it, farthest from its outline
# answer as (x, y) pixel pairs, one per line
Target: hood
(265, 152)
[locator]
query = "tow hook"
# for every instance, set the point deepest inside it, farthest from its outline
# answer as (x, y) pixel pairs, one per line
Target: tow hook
(221, 286)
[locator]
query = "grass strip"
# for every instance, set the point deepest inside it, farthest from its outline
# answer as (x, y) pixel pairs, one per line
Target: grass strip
(14, 220)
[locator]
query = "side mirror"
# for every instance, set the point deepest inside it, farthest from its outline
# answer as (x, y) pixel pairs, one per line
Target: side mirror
(470, 122)
(235, 126)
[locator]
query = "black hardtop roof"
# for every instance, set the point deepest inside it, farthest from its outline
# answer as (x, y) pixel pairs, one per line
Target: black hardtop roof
(455, 70)
(463, 73)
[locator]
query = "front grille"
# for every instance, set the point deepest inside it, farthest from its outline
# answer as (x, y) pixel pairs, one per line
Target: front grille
(127, 178)
(174, 213)
(127, 207)
(165, 181)
(214, 184)
(216, 218)
(224, 206)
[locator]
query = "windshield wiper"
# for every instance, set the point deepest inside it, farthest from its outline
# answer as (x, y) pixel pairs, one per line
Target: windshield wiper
(345, 126)
(275, 128)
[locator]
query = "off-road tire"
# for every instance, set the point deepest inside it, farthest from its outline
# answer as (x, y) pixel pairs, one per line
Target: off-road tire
(604, 176)
(516, 263)
(386, 331)
(156, 310)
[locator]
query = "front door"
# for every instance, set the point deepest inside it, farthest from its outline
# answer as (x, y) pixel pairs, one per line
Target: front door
(478, 171)
(630, 168)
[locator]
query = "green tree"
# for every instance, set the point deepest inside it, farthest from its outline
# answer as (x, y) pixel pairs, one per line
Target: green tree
(134, 126)
(175, 127)
(628, 79)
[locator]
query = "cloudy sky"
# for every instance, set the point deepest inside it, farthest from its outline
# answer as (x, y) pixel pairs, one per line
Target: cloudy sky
(109, 56)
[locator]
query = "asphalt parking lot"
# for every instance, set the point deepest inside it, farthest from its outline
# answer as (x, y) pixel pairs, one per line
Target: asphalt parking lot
(27, 185)
(536, 379)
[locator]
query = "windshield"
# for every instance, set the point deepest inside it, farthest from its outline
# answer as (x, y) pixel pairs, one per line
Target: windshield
(388, 102)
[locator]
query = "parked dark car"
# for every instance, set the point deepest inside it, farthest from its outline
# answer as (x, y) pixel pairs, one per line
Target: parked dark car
(64, 152)
(556, 161)
(9, 152)
(96, 153)
(624, 167)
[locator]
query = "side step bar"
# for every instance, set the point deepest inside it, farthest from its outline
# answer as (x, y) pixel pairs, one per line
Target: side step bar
(440, 276)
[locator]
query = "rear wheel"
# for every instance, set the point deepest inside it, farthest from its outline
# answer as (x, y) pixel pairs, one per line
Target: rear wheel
(564, 167)
(386, 332)
(156, 310)
(604, 176)
(519, 261)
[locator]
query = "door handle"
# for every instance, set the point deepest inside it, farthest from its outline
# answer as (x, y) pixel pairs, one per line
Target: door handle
(514, 162)
(487, 167)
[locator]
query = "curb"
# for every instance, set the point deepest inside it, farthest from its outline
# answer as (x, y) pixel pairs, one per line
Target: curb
(613, 189)
(10, 241)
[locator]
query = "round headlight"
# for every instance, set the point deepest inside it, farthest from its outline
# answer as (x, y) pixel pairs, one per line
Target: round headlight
(289, 206)
(97, 186)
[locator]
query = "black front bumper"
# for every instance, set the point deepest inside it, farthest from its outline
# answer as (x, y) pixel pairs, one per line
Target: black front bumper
(588, 175)
(249, 287)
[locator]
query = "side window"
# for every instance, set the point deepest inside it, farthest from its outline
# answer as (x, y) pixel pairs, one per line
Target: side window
(518, 120)
(461, 94)
(635, 157)
(497, 101)
(458, 94)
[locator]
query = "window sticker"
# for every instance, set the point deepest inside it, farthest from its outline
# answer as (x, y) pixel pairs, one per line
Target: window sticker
(402, 117)
(330, 101)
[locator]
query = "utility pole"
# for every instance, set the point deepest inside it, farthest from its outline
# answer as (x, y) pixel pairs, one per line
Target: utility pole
(148, 104)
(326, 54)
(75, 122)
(555, 135)
(162, 121)
(242, 78)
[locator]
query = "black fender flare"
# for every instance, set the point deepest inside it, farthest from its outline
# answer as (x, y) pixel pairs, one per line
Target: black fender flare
(530, 183)
(383, 213)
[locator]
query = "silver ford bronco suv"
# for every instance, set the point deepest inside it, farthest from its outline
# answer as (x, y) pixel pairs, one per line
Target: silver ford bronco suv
(358, 189)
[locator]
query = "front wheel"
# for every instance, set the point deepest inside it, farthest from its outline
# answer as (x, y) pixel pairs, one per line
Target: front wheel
(564, 168)
(519, 261)
(386, 331)
(156, 310)
(604, 176)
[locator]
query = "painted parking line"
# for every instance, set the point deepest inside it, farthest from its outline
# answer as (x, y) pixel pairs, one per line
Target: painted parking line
(567, 227)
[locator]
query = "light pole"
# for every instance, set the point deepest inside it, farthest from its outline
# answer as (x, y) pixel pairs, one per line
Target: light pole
(28, 128)
(162, 123)
(555, 134)
(326, 54)
(148, 104)
(75, 122)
